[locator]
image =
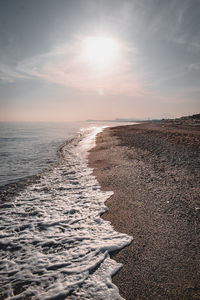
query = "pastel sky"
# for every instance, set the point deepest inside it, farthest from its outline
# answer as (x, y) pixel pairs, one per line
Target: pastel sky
(44, 75)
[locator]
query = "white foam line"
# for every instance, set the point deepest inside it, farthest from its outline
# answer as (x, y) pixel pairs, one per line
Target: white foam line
(54, 241)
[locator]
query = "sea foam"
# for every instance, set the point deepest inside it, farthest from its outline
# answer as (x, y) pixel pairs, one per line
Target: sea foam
(53, 243)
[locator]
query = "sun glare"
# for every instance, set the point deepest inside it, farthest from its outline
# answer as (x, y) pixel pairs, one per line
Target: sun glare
(100, 52)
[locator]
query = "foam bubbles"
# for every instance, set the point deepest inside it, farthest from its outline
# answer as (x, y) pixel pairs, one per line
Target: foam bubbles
(53, 241)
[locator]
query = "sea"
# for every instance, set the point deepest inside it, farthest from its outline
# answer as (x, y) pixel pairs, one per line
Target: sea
(54, 244)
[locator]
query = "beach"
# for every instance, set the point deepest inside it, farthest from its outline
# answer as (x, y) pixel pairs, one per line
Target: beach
(53, 243)
(153, 170)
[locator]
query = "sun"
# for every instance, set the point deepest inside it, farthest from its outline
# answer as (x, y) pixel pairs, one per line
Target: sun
(100, 51)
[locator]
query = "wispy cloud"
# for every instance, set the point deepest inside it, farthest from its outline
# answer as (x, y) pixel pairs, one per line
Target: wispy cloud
(65, 65)
(194, 66)
(10, 73)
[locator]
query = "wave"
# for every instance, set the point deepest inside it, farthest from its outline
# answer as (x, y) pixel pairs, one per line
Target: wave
(53, 242)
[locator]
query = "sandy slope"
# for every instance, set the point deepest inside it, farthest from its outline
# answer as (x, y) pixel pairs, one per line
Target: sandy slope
(154, 171)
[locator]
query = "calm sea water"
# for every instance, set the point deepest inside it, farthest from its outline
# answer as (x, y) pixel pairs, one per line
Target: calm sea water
(53, 242)
(28, 148)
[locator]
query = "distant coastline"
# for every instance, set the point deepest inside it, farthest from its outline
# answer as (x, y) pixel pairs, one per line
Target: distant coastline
(190, 119)
(119, 120)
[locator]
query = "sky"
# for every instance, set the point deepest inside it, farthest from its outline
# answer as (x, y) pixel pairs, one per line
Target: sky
(48, 74)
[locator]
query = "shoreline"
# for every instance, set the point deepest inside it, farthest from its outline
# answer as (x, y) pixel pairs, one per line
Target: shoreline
(58, 221)
(12, 189)
(153, 170)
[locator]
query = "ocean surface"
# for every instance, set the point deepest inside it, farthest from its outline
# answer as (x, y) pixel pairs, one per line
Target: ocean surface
(28, 148)
(53, 242)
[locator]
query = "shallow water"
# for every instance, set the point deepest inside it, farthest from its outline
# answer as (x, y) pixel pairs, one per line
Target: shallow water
(54, 245)
(28, 148)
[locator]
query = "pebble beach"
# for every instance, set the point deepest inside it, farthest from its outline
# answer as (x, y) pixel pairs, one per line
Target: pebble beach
(154, 171)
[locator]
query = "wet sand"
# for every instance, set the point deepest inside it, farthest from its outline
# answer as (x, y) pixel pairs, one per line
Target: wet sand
(154, 171)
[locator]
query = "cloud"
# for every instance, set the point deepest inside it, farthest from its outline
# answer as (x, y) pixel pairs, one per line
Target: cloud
(10, 73)
(194, 67)
(66, 65)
